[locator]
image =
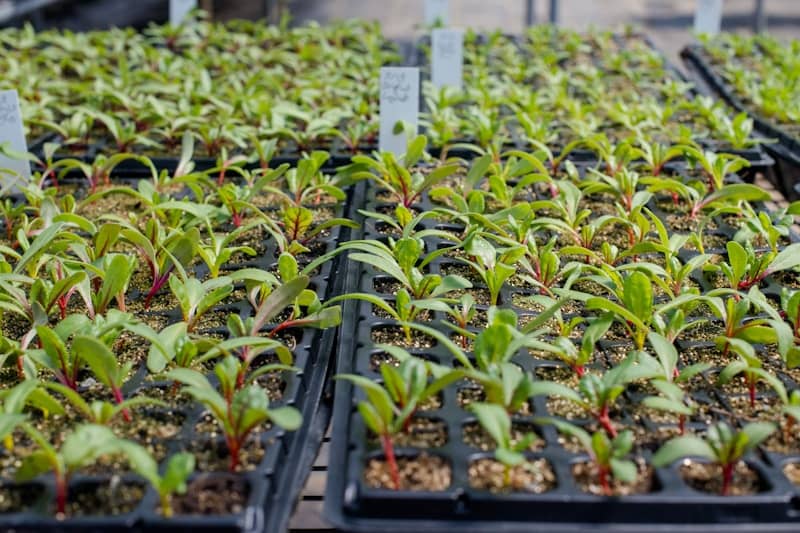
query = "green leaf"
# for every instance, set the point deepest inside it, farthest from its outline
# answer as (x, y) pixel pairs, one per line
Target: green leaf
(184, 248)
(34, 465)
(117, 275)
(495, 421)
(75, 451)
(680, 447)
(736, 192)
(39, 244)
(164, 346)
(737, 257)
(788, 258)
(621, 312)
(757, 432)
(179, 467)
(666, 352)
(53, 345)
(638, 295)
(450, 283)
(378, 397)
(277, 301)
(16, 398)
(550, 388)
(289, 418)
(142, 462)
(665, 404)
(372, 419)
(758, 335)
(9, 422)
(416, 148)
(509, 457)
(287, 267)
(189, 377)
(100, 359)
(570, 429)
(623, 470)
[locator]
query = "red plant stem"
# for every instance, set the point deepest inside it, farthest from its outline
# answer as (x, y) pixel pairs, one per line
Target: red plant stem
(240, 377)
(604, 420)
(287, 324)
(157, 284)
(579, 370)
(797, 324)
(751, 389)
(682, 423)
(602, 474)
(388, 450)
(233, 449)
(406, 197)
(65, 380)
(727, 477)
(749, 282)
(121, 302)
(119, 399)
(787, 429)
(61, 492)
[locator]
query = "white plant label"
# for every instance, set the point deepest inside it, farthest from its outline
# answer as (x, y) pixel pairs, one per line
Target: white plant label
(178, 9)
(399, 102)
(437, 11)
(708, 16)
(447, 57)
(13, 133)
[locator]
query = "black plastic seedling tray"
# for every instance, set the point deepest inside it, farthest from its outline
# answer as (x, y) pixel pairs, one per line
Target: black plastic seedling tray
(784, 148)
(275, 483)
(759, 158)
(671, 505)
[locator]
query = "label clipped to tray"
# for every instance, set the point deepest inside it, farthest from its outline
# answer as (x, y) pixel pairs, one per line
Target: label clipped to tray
(437, 12)
(178, 9)
(399, 107)
(708, 16)
(13, 172)
(447, 57)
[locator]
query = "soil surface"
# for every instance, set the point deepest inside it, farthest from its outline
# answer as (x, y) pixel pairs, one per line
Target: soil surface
(213, 495)
(532, 476)
(708, 478)
(586, 477)
(424, 472)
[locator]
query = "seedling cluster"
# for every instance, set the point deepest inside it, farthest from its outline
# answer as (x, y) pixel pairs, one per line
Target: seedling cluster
(565, 290)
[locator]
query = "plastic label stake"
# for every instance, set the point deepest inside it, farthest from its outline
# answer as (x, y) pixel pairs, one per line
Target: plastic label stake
(447, 57)
(178, 9)
(399, 103)
(12, 171)
(708, 16)
(437, 12)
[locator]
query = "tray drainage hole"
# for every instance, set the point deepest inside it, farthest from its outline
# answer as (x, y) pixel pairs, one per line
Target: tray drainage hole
(794, 503)
(462, 503)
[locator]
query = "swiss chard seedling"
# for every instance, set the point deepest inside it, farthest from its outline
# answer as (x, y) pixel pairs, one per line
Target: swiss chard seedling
(238, 411)
(722, 445)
